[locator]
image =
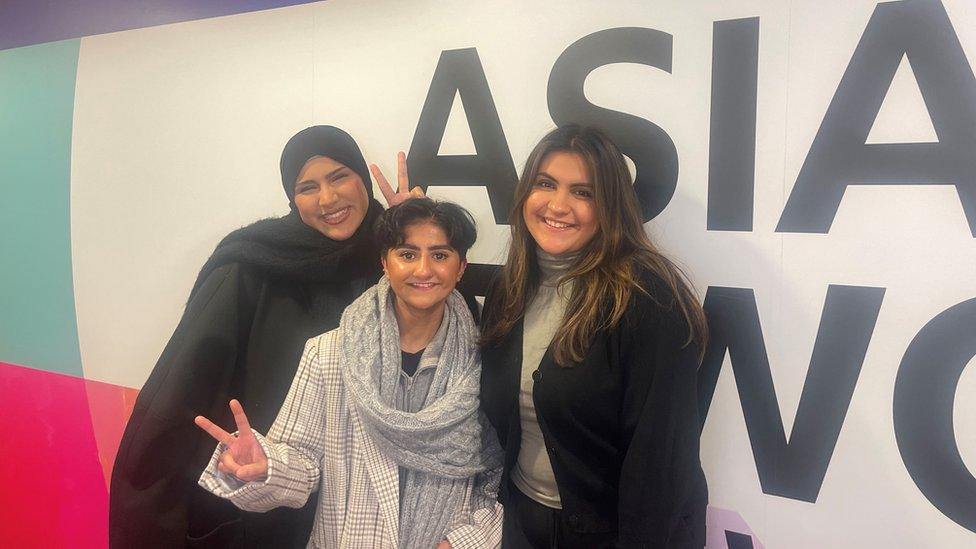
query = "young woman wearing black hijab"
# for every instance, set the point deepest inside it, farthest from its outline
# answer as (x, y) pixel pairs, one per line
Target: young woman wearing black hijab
(266, 289)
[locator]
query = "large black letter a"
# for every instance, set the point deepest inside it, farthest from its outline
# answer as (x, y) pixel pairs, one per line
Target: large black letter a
(839, 156)
(460, 71)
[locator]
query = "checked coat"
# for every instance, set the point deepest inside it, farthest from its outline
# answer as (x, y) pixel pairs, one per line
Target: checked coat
(318, 442)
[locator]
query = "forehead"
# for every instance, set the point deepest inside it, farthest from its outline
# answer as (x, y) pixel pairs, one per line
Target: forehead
(424, 234)
(318, 165)
(565, 165)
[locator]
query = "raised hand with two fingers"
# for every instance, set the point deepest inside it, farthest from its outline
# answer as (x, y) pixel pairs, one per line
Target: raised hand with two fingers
(244, 458)
(403, 191)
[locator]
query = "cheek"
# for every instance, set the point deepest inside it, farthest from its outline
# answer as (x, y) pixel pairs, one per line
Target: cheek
(450, 272)
(531, 206)
(307, 207)
(393, 268)
(354, 192)
(586, 215)
(399, 272)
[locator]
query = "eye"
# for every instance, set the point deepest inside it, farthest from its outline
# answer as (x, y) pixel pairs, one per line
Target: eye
(339, 176)
(583, 193)
(545, 184)
(441, 256)
(407, 255)
(305, 188)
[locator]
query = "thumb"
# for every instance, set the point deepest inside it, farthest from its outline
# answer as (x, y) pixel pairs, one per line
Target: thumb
(253, 471)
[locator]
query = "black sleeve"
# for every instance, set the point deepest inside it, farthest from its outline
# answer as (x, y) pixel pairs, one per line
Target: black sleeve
(662, 492)
(478, 280)
(156, 467)
(473, 306)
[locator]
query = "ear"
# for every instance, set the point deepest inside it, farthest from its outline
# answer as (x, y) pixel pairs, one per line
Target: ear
(383, 262)
(464, 265)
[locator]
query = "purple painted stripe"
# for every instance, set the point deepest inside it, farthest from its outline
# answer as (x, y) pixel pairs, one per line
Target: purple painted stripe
(26, 22)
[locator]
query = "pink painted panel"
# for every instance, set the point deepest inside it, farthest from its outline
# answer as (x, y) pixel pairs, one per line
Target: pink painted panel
(111, 406)
(52, 490)
(719, 520)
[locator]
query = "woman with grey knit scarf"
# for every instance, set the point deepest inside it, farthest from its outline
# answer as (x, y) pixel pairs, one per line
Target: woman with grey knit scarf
(382, 417)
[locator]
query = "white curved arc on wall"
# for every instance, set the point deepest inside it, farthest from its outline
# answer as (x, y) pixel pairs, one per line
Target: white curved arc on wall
(178, 130)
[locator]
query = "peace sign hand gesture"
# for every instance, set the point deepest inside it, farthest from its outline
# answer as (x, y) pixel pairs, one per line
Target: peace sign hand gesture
(403, 191)
(244, 458)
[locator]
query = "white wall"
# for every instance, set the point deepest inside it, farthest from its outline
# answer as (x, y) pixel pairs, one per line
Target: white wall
(178, 130)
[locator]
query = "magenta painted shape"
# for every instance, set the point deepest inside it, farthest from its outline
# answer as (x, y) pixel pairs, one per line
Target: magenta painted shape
(52, 492)
(111, 406)
(719, 520)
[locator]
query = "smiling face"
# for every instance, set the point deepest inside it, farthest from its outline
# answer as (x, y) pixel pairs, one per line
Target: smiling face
(560, 212)
(330, 198)
(424, 269)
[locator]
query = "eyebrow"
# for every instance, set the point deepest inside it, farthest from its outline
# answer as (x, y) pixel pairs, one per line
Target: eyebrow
(547, 176)
(434, 247)
(327, 176)
(335, 171)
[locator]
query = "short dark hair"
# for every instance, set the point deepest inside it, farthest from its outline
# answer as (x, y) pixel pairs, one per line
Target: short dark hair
(455, 221)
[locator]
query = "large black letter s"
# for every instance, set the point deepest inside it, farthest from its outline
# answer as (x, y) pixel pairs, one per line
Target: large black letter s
(644, 142)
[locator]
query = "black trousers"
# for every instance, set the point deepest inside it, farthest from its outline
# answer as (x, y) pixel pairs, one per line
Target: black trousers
(531, 525)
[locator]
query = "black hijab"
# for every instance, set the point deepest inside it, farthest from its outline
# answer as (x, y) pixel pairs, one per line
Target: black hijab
(286, 248)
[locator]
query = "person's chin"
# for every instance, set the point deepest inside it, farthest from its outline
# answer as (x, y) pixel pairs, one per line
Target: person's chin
(556, 247)
(549, 242)
(336, 232)
(424, 304)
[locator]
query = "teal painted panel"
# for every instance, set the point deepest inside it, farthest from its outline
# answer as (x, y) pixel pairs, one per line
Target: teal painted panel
(37, 307)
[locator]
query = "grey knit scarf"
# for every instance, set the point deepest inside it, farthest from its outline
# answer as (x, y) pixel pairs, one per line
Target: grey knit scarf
(441, 444)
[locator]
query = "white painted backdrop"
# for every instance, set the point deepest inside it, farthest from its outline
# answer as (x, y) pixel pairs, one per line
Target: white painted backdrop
(178, 130)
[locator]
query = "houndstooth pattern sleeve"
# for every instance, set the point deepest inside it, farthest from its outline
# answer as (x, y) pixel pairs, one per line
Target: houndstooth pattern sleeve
(293, 447)
(478, 524)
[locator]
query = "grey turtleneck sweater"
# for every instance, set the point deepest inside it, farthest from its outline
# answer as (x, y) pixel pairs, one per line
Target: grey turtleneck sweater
(532, 473)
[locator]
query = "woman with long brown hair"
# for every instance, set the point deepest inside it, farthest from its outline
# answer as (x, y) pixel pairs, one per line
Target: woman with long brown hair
(591, 343)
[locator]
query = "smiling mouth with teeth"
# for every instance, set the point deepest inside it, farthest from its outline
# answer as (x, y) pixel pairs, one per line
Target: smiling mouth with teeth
(337, 216)
(556, 224)
(422, 285)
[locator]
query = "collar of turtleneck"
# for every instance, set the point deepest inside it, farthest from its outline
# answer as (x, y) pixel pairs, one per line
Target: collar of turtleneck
(551, 267)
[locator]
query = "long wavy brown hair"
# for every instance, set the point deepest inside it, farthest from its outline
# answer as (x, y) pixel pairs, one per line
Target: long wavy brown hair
(609, 268)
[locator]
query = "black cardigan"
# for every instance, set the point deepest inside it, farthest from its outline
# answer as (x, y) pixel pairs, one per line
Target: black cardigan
(621, 427)
(241, 336)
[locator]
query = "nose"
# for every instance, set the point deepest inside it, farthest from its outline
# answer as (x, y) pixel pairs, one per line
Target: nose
(423, 267)
(327, 196)
(559, 202)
